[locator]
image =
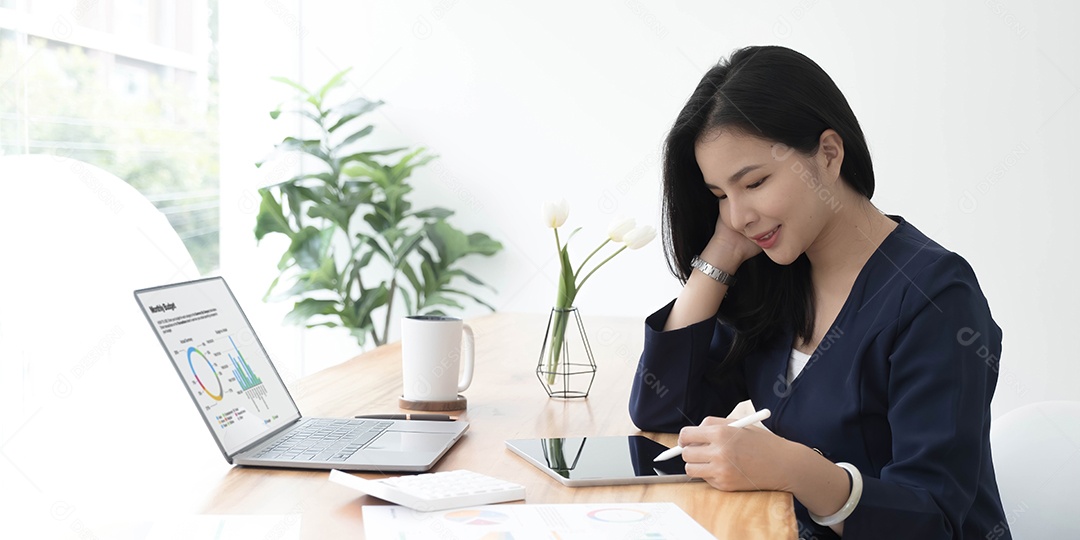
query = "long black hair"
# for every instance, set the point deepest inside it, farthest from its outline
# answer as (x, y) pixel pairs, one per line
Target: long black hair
(779, 95)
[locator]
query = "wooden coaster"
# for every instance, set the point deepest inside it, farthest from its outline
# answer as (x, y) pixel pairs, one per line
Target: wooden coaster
(459, 404)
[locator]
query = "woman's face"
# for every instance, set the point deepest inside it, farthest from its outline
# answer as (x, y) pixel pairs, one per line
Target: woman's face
(770, 193)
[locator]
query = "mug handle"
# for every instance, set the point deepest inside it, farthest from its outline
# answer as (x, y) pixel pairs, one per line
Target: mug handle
(470, 346)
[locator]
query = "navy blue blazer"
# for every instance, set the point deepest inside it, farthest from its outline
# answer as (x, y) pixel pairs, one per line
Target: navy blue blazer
(900, 387)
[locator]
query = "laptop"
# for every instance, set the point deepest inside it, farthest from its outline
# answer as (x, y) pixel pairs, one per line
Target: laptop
(245, 404)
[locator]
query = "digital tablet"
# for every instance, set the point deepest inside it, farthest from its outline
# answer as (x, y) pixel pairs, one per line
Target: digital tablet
(601, 461)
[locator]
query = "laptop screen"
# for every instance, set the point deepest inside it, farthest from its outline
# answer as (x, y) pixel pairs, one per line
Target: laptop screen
(221, 361)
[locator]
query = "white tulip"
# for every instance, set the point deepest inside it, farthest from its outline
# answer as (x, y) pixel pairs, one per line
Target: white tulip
(639, 236)
(555, 213)
(619, 227)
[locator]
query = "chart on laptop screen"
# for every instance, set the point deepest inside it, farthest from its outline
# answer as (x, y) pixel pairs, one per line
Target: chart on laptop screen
(220, 360)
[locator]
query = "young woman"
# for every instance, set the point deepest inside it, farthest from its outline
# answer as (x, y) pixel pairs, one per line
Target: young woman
(872, 345)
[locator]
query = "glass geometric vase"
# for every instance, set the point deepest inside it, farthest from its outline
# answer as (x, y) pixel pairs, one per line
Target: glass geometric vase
(566, 367)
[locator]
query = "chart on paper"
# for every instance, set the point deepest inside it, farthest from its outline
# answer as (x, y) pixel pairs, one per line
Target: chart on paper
(630, 521)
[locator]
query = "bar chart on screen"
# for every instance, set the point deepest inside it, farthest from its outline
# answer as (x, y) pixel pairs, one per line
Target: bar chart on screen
(250, 384)
(218, 368)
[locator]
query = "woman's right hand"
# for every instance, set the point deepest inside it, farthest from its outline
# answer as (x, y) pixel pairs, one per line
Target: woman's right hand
(702, 296)
(727, 241)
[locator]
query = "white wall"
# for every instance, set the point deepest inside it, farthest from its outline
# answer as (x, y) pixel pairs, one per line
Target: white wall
(969, 109)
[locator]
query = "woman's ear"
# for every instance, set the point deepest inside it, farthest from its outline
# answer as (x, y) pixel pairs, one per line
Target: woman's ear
(830, 155)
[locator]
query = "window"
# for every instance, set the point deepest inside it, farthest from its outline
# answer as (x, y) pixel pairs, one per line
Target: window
(127, 85)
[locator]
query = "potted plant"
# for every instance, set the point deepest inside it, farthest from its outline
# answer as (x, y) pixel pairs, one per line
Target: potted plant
(357, 246)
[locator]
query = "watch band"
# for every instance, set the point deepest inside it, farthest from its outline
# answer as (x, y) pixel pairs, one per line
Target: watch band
(712, 271)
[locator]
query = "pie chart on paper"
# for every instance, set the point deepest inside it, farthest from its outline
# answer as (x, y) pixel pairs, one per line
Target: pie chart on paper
(476, 517)
(502, 535)
(618, 515)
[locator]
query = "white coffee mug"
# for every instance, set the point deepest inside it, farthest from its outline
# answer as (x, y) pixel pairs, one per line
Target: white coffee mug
(431, 354)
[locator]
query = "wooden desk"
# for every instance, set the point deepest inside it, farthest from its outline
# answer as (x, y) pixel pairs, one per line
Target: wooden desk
(506, 401)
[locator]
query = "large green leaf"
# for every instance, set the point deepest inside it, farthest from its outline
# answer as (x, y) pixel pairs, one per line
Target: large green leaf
(356, 136)
(293, 84)
(307, 248)
(380, 174)
(404, 167)
(323, 278)
(414, 281)
(313, 147)
(337, 80)
(367, 158)
(394, 197)
(470, 296)
(308, 282)
(286, 261)
(393, 235)
(439, 299)
(338, 212)
(376, 247)
(365, 259)
(325, 177)
(360, 333)
(453, 244)
(310, 307)
(450, 243)
(357, 169)
(316, 195)
(472, 279)
(427, 270)
(356, 106)
(294, 199)
(482, 244)
(410, 306)
(433, 213)
(306, 145)
(350, 110)
(407, 246)
(378, 222)
(358, 190)
(372, 300)
(271, 217)
(385, 152)
(270, 289)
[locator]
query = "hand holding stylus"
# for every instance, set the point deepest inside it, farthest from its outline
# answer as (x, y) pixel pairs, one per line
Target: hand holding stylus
(740, 423)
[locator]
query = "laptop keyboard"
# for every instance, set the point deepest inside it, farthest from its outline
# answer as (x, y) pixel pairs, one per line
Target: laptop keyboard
(324, 439)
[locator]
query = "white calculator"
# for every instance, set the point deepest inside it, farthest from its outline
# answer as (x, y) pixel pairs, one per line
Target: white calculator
(435, 491)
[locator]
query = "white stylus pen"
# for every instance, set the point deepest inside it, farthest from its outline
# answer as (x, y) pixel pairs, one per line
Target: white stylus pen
(740, 423)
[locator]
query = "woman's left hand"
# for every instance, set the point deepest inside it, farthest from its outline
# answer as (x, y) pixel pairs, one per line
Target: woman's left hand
(735, 459)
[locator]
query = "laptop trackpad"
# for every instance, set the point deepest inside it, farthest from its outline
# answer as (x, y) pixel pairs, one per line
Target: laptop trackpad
(397, 441)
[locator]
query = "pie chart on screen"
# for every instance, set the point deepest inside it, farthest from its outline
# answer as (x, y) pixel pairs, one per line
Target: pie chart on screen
(204, 373)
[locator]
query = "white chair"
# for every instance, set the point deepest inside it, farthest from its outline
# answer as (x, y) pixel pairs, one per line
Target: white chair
(92, 416)
(1036, 451)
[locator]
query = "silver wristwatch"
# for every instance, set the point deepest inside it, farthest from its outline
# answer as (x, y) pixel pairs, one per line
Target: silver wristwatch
(712, 271)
